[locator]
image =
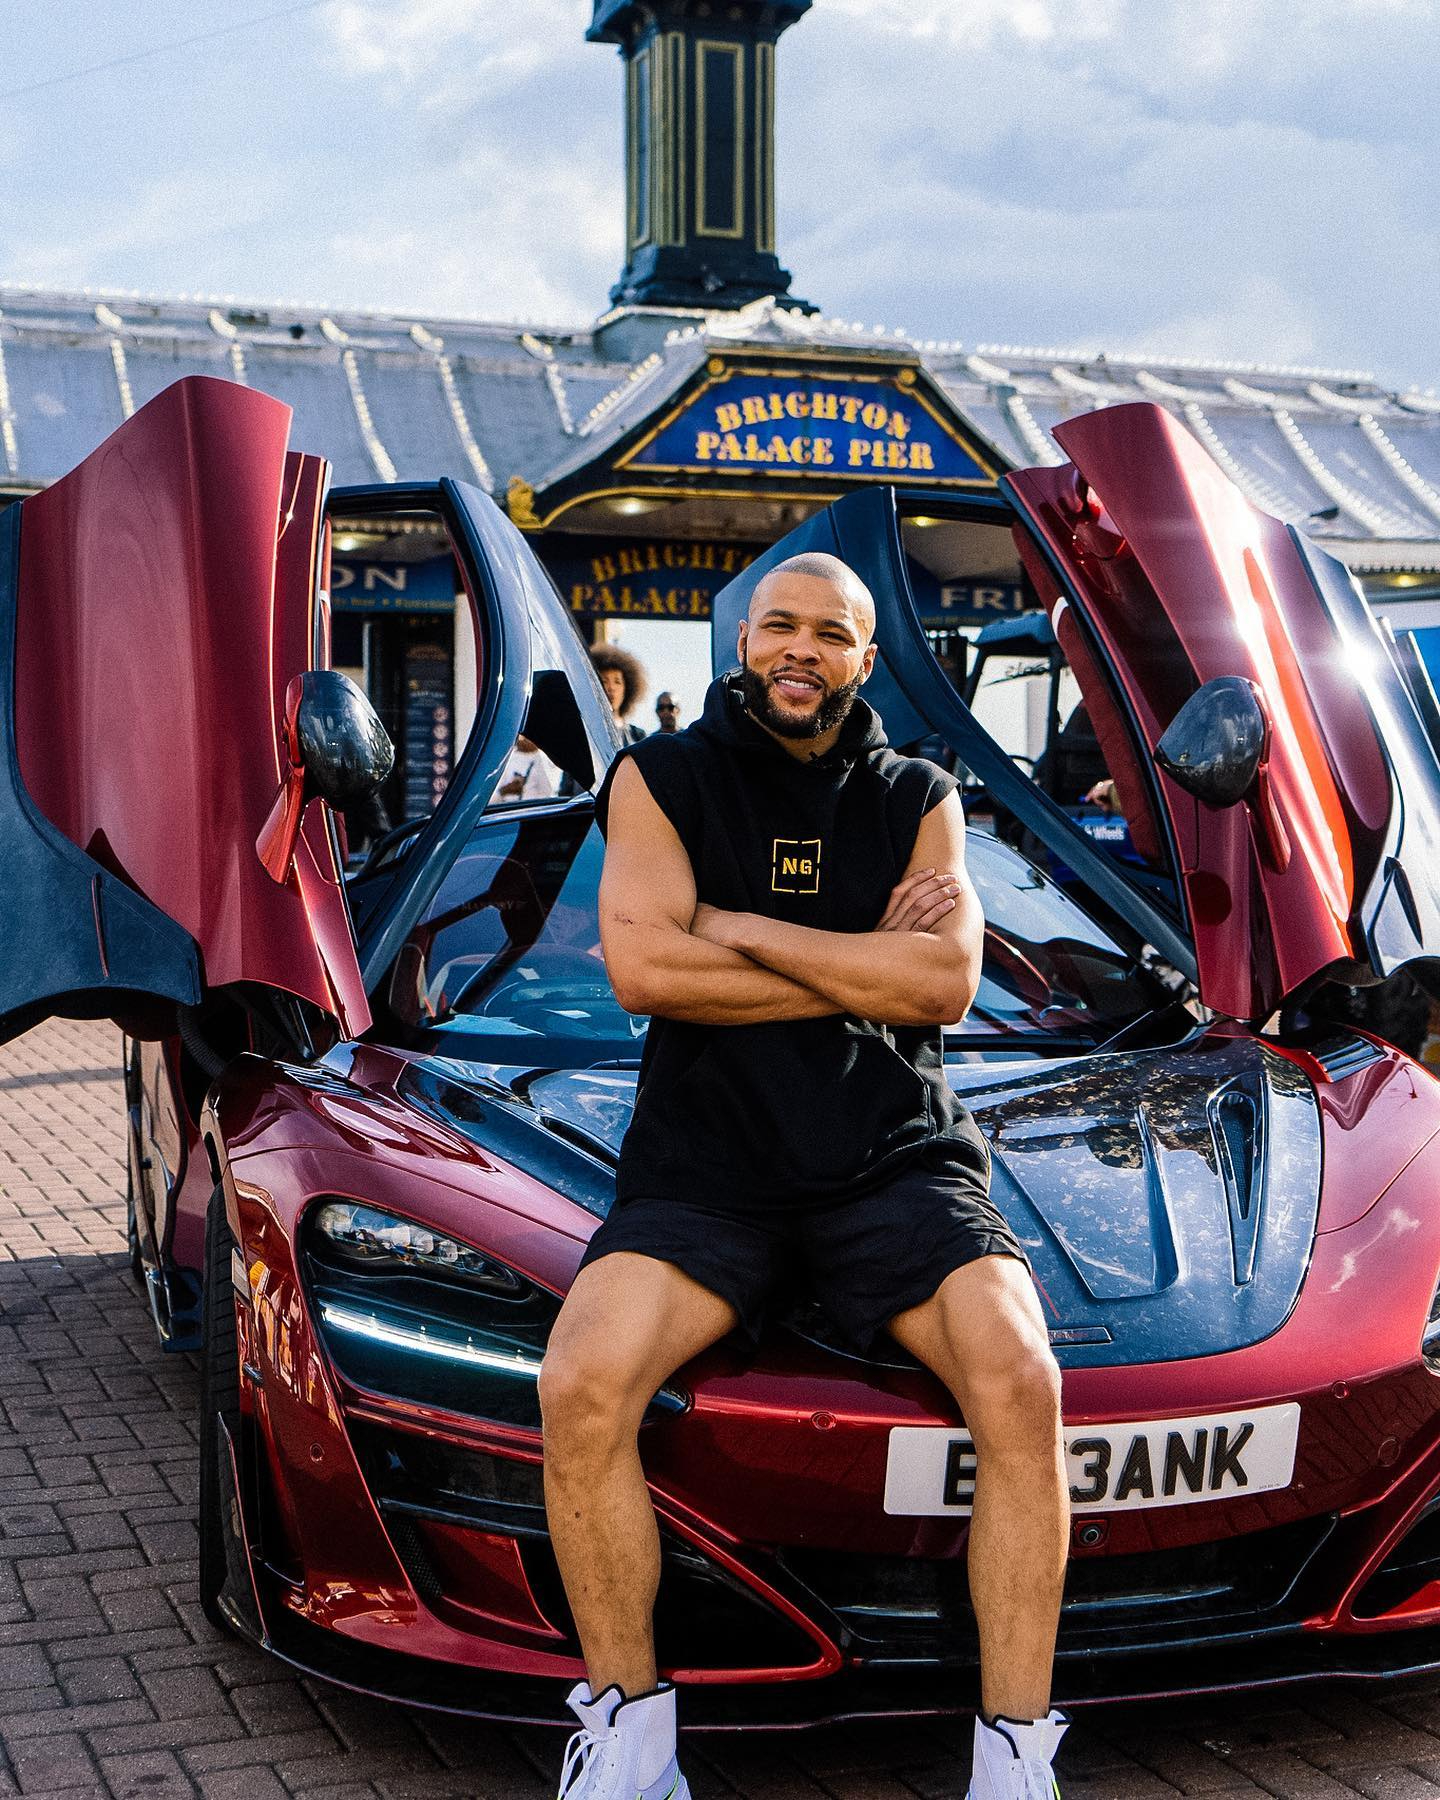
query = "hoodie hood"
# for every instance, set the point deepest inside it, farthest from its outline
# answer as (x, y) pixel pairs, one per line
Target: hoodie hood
(725, 720)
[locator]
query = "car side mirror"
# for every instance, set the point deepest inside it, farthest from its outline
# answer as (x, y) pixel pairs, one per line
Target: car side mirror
(1215, 745)
(336, 750)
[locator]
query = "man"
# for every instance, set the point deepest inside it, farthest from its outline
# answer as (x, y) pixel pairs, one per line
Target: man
(786, 898)
(667, 712)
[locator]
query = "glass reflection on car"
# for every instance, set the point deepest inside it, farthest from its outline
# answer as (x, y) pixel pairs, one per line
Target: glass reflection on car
(510, 951)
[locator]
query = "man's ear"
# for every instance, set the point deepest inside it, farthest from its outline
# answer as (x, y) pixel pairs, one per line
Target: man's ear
(743, 633)
(868, 664)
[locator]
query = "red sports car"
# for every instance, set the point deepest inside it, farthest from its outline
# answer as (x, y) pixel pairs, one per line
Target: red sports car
(374, 1111)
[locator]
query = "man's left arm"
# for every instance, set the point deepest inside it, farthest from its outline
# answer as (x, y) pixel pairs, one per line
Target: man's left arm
(901, 975)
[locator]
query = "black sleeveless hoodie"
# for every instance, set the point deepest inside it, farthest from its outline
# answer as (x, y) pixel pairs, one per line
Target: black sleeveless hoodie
(803, 1110)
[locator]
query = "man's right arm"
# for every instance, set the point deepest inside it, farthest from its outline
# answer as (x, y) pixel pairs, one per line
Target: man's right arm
(647, 900)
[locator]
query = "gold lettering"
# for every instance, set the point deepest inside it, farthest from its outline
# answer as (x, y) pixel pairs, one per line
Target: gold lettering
(602, 568)
(823, 452)
(631, 561)
(777, 406)
(921, 456)
(874, 415)
(754, 410)
(896, 456)
(790, 865)
(797, 405)
(706, 444)
(824, 406)
(704, 556)
(800, 450)
(727, 416)
(899, 425)
(850, 405)
(730, 450)
(859, 449)
(778, 451)
(579, 595)
(754, 451)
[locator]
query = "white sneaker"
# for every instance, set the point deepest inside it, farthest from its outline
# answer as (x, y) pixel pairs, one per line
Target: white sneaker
(1012, 1759)
(624, 1749)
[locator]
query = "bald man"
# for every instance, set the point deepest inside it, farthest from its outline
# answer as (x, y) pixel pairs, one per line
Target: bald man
(787, 899)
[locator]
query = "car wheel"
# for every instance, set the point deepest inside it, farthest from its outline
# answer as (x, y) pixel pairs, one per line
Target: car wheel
(132, 1227)
(219, 1405)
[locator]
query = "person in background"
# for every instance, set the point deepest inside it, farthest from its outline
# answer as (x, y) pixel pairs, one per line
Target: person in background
(623, 678)
(667, 711)
(528, 774)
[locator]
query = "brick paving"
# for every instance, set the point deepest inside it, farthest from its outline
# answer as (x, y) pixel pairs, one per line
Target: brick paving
(113, 1685)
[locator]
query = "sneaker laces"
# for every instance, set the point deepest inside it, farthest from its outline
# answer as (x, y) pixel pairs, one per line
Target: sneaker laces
(581, 1754)
(1032, 1781)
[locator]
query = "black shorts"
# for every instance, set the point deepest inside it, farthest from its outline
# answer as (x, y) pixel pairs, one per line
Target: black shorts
(864, 1257)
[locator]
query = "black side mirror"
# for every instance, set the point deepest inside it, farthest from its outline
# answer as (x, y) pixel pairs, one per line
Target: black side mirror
(336, 750)
(1216, 743)
(346, 751)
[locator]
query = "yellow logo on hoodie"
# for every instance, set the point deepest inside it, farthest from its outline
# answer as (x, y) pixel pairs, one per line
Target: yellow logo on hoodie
(795, 866)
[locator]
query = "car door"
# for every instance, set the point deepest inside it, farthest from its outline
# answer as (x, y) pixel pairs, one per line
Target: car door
(1160, 577)
(155, 606)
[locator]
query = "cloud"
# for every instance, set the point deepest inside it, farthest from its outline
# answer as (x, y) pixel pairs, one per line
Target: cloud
(453, 47)
(1072, 188)
(75, 245)
(542, 250)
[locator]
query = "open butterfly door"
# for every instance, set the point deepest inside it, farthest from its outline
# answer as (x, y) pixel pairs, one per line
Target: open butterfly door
(1161, 578)
(156, 606)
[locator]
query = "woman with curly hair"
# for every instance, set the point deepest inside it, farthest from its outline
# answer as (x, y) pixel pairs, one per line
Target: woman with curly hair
(623, 678)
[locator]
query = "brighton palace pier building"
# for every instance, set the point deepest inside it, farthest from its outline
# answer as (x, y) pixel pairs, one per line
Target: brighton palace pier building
(651, 454)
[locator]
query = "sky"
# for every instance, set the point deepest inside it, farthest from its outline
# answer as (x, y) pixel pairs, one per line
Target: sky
(1238, 179)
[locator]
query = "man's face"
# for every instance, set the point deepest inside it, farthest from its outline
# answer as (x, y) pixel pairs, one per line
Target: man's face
(613, 683)
(805, 649)
(667, 711)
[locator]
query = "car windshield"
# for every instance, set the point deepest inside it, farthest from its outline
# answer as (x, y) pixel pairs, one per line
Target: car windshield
(509, 952)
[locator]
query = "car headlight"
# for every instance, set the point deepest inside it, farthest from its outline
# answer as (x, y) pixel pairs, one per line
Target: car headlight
(405, 1310)
(379, 1243)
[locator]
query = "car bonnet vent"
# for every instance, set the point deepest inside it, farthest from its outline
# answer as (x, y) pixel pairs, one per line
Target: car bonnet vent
(1344, 1054)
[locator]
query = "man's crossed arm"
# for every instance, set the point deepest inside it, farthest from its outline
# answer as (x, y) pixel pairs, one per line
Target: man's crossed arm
(665, 955)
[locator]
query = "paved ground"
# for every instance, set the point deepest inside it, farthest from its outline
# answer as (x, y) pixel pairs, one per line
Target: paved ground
(112, 1684)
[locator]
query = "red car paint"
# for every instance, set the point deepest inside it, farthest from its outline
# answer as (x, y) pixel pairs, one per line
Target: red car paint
(167, 594)
(1145, 512)
(790, 1447)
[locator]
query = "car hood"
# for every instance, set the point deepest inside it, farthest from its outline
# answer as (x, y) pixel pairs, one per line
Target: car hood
(1167, 1199)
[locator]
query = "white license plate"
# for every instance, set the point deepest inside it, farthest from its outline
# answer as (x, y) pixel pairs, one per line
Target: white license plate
(1113, 1468)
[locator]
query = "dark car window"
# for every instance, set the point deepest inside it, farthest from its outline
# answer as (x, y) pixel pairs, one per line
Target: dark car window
(510, 948)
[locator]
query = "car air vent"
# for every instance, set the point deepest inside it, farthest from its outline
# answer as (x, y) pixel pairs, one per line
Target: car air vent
(1344, 1054)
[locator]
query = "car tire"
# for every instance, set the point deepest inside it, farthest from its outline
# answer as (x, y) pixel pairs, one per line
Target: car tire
(219, 1404)
(132, 1228)
(130, 1074)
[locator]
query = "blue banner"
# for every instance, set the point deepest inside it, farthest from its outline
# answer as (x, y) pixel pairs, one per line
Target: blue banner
(818, 426)
(628, 578)
(428, 586)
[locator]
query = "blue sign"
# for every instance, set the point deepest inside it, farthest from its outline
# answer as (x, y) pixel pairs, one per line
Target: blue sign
(428, 586)
(629, 578)
(877, 427)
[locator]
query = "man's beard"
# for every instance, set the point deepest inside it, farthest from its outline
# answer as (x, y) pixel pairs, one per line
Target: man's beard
(833, 709)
